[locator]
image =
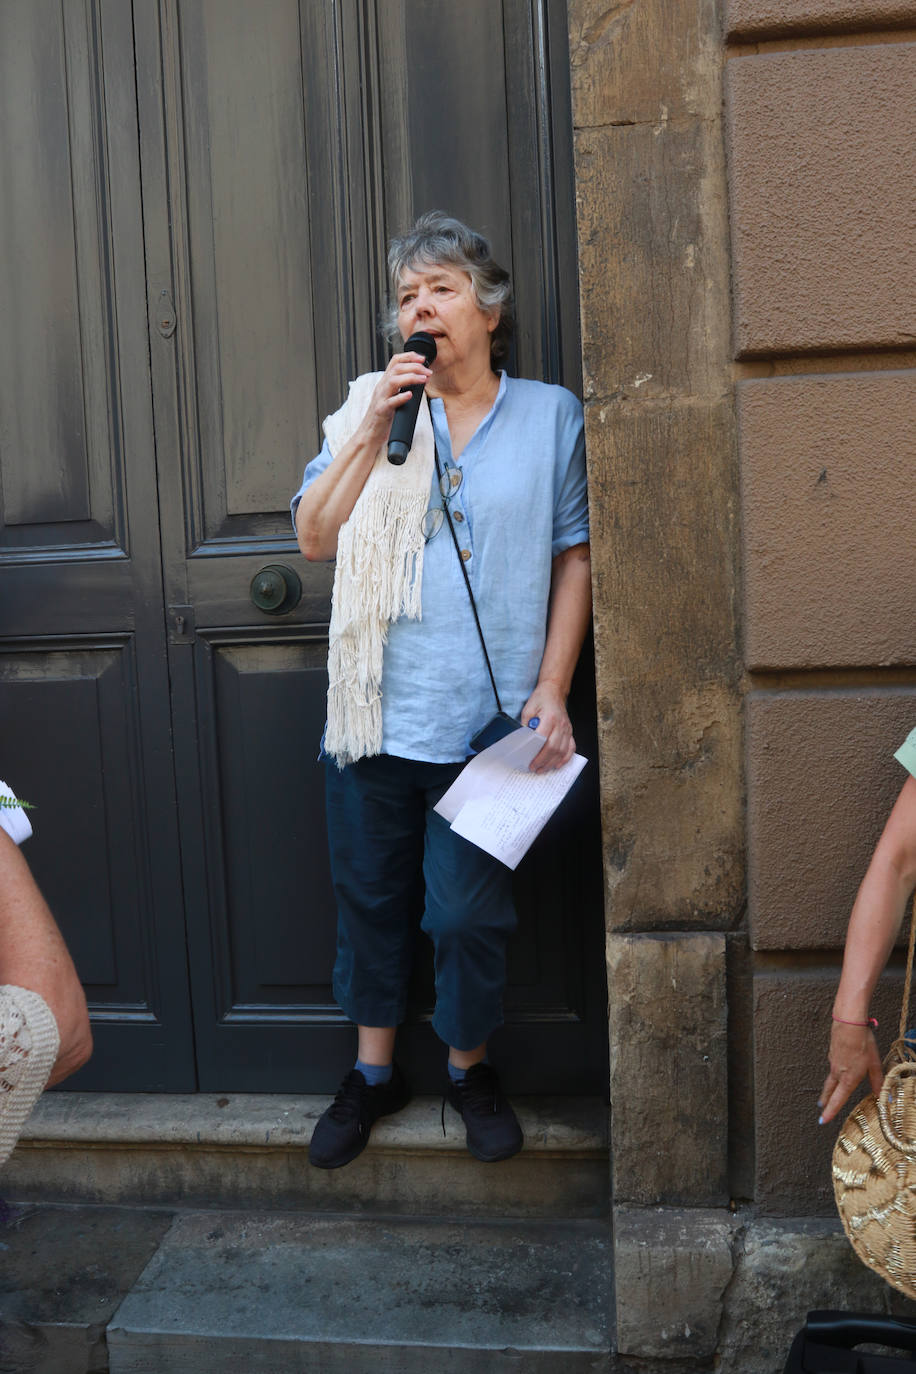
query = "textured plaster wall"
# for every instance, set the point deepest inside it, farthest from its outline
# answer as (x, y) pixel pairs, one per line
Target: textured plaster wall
(779, 18)
(827, 467)
(822, 179)
(821, 175)
(821, 779)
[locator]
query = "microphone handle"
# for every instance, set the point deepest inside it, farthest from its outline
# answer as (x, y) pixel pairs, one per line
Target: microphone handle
(403, 426)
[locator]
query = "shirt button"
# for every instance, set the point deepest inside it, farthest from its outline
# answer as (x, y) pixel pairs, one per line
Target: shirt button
(465, 554)
(458, 516)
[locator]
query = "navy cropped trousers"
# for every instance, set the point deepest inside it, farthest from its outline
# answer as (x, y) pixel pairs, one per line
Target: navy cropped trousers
(386, 842)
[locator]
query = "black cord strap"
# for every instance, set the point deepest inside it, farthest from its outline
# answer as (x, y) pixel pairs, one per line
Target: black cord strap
(467, 580)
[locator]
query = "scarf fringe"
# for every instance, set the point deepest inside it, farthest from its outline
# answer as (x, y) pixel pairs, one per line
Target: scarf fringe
(378, 579)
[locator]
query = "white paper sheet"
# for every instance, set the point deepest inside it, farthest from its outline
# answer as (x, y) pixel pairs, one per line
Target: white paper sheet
(497, 804)
(13, 819)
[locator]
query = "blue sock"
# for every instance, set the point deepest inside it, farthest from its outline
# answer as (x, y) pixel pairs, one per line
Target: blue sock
(456, 1074)
(374, 1074)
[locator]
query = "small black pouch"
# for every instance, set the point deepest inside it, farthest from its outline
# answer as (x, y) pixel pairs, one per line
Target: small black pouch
(497, 728)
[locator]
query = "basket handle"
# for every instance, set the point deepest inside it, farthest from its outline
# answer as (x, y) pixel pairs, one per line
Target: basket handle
(893, 1089)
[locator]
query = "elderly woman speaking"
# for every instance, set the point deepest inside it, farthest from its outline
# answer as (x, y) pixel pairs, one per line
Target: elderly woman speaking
(503, 460)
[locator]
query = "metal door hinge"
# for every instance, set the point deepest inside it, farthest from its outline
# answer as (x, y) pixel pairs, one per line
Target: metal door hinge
(181, 625)
(166, 318)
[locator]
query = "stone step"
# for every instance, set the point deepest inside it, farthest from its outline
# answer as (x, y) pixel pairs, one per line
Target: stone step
(136, 1291)
(251, 1150)
(275, 1293)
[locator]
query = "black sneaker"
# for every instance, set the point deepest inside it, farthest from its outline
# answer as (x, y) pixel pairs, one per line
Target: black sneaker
(342, 1132)
(493, 1131)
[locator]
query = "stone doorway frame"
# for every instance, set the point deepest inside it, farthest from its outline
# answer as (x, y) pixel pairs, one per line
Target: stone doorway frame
(659, 402)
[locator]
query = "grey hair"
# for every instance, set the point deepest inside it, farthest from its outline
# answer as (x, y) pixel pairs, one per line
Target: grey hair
(439, 238)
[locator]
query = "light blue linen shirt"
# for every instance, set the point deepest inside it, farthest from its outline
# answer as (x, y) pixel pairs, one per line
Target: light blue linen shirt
(906, 754)
(522, 501)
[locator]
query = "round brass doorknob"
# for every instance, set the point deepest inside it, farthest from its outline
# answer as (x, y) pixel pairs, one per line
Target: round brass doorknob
(276, 589)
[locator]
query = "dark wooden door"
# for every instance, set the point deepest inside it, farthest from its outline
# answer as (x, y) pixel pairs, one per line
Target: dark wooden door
(273, 149)
(85, 729)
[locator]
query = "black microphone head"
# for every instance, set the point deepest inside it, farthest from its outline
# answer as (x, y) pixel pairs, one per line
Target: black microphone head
(423, 343)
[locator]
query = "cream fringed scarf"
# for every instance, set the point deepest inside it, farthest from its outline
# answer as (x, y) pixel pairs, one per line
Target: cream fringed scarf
(378, 576)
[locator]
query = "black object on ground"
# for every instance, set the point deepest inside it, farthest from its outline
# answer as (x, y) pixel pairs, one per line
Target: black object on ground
(827, 1344)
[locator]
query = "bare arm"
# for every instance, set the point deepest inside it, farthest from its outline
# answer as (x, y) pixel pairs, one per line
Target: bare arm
(568, 618)
(330, 499)
(33, 955)
(873, 927)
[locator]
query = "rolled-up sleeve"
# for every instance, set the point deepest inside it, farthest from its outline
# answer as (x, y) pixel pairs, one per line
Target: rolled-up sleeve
(570, 520)
(906, 754)
(314, 469)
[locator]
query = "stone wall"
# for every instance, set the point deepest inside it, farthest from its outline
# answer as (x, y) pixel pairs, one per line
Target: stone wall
(821, 132)
(746, 196)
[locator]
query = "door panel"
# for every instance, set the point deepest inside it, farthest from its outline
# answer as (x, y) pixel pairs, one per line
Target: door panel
(52, 366)
(249, 246)
(274, 861)
(445, 135)
(84, 718)
(75, 702)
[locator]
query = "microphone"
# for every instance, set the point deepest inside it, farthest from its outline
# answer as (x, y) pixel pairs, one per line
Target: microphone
(405, 417)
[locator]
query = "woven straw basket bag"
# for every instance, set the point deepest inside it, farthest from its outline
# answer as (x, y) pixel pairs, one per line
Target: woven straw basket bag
(874, 1163)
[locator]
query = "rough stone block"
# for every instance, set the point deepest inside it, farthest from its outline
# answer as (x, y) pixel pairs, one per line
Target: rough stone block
(63, 1274)
(668, 1016)
(778, 18)
(663, 513)
(740, 993)
(826, 485)
(791, 1036)
(612, 81)
(785, 1269)
(822, 180)
(653, 241)
(671, 1269)
(821, 781)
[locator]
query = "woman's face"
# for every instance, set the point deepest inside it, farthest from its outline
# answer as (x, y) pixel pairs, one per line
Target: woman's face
(440, 300)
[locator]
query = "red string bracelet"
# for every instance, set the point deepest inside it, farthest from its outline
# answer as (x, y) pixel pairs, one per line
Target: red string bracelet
(872, 1021)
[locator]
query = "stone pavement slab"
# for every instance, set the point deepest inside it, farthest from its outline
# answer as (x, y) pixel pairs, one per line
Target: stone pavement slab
(63, 1274)
(245, 1292)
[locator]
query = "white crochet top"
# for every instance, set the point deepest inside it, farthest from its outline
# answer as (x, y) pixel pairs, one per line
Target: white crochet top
(29, 1042)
